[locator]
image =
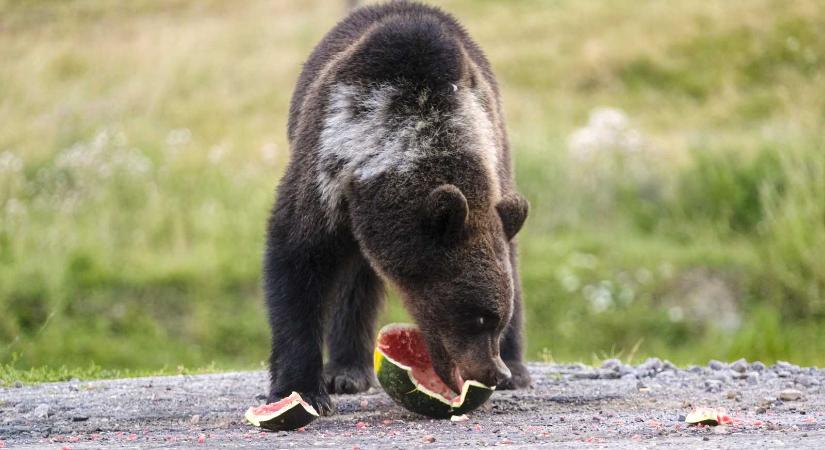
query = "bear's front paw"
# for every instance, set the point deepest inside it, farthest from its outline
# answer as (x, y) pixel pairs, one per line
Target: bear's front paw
(519, 376)
(319, 400)
(348, 380)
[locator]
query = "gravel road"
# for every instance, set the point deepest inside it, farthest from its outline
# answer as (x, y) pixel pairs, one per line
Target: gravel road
(616, 406)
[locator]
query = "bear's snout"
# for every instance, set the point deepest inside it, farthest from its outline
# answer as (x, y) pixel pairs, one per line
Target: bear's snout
(492, 373)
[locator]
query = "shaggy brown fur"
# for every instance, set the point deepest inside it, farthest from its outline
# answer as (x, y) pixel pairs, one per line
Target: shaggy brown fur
(400, 171)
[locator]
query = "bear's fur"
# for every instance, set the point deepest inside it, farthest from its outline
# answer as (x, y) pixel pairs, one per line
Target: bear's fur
(400, 171)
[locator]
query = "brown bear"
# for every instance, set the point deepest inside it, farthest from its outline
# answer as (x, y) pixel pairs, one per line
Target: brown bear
(400, 172)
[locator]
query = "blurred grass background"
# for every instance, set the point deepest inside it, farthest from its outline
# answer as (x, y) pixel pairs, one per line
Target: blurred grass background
(673, 153)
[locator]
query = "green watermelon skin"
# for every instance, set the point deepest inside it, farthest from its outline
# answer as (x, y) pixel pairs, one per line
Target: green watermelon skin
(398, 384)
(290, 418)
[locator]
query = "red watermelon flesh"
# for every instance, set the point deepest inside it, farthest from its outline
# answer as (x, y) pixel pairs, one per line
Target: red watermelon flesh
(406, 346)
(271, 408)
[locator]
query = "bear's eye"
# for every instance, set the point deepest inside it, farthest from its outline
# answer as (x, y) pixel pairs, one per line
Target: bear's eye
(482, 323)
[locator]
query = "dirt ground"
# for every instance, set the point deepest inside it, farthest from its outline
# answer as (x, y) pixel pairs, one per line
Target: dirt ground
(614, 406)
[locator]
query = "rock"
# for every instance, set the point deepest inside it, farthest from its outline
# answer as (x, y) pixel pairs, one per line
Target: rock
(787, 367)
(695, 369)
(603, 374)
(717, 365)
(612, 364)
(807, 380)
(18, 384)
(740, 365)
(757, 366)
(753, 377)
(721, 377)
(790, 395)
(713, 385)
(667, 365)
(196, 419)
(626, 369)
(767, 402)
(428, 439)
(730, 395)
(654, 364)
(42, 411)
(737, 375)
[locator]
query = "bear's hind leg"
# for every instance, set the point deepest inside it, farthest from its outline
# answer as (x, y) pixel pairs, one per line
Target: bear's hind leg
(351, 332)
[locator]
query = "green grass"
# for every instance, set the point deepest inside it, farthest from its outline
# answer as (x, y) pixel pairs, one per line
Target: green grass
(142, 144)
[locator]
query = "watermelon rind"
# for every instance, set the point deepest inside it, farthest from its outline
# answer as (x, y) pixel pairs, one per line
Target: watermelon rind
(294, 415)
(399, 383)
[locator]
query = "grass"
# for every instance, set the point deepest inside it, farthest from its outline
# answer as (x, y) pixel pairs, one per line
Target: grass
(143, 144)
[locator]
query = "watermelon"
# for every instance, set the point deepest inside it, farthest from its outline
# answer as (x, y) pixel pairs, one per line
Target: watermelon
(289, 413)
(405, 371)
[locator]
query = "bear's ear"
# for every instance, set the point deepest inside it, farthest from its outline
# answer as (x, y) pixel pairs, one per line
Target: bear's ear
(512, 209)
(445, 212)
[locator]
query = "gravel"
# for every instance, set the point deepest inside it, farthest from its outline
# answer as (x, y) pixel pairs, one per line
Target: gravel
(615, 405)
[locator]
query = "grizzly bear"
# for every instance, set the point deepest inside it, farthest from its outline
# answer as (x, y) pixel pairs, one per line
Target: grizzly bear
(400, 172)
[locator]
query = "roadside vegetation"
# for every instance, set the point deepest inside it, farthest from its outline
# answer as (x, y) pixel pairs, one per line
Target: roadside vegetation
(673, 154)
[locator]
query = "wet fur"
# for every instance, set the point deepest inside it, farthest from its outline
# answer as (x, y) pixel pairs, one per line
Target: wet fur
(394, 102)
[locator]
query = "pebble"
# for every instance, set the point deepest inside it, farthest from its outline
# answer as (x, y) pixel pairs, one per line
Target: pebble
(716, 365)
(41, 411)
(790, 395)
(712, 385)
(196, 419)
(753, 377)
(428, 439)
(767, 402)
(807, 380)
(740, 365)
(612, 364)
(18, 384)
(758, 366)
(654, 364)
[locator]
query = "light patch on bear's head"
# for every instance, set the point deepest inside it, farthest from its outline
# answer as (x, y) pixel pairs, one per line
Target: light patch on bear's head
(362, 138)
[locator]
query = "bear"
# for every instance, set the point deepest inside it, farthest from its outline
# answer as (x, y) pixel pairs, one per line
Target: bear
(399, 173)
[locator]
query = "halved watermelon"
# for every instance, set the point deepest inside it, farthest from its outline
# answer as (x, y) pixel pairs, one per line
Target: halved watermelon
(405, 371)
(289, 413)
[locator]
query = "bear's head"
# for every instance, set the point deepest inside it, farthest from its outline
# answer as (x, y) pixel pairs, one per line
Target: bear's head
(446, 246)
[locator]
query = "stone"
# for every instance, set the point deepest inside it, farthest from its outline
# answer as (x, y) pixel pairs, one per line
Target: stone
(612, 364)
(753, 377)
(757, 366)
(717, 365)
(740, 365)
(42, 411)
(790, 395)
(713, 385)
(807, 380)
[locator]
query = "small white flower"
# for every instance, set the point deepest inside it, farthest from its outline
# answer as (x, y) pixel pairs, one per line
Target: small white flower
(178, 137)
